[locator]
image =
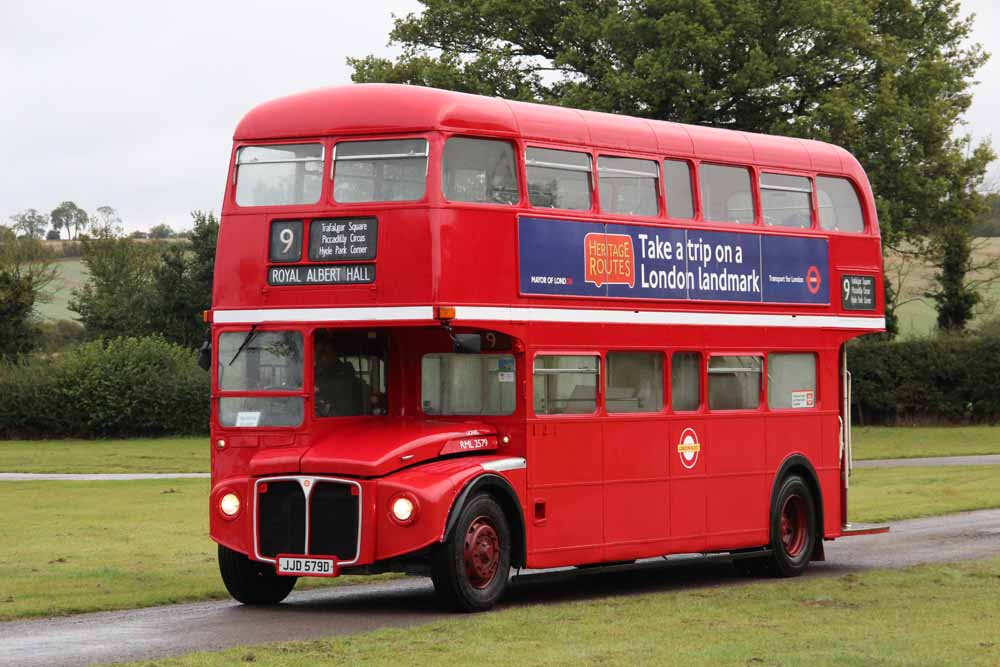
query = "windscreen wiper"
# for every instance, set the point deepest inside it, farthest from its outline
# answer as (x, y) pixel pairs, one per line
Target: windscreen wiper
(246, 341)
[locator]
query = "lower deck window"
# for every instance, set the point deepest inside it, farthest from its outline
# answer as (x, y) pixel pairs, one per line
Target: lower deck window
(467, 384)
(685, 381)
(566, 384)
(734, 382)
(635, 382)
(791, 380)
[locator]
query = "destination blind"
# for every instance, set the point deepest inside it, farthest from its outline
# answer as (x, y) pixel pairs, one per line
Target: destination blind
(321, 274)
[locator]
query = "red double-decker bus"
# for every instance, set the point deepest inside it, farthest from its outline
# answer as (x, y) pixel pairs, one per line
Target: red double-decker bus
(454, 335)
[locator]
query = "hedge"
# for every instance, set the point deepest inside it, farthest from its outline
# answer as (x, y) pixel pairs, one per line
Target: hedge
(950, 379)
(117, 388)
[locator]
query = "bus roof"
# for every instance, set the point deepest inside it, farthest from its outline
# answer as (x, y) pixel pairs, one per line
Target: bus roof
(393, 108)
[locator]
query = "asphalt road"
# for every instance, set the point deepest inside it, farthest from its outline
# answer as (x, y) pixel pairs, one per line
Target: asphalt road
(165, 631)
(930, 461)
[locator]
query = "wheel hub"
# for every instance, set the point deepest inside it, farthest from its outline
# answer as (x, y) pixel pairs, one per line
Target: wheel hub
(794, 526)
(481, 553)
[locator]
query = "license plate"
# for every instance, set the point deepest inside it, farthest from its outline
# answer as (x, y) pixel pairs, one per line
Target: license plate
(306, 566)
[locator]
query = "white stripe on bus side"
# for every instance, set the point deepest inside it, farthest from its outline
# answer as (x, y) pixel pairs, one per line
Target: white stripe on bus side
(529, 314)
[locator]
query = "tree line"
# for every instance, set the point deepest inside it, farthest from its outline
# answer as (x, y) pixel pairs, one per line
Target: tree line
(105, 221)
(887, 79)
(133, 288)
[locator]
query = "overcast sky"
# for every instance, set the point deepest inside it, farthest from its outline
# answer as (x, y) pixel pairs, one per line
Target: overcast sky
(133, 104)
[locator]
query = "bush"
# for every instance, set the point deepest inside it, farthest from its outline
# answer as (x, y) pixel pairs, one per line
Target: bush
(117, 388)
(949, 379)
(59, 335)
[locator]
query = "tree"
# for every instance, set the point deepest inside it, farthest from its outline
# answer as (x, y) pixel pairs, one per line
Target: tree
(161, 231)
(106, 222)
(182, 284)
(30, 223)
(887, 79)
(70, 216)
(26, 269)
(114, 300)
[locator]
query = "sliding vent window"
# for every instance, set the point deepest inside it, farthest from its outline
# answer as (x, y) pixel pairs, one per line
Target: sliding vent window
(680, 201)
(726, 195)
(635, 382)
(394, 170)
(558, 179)
(467, 384)
(279, 175)
(628, 186)
(566, 384)
(791, 380)
(839, 208)
(481, 171)
(786, 200)
(734, 382)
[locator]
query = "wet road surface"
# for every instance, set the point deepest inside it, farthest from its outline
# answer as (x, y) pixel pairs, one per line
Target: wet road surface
(163, 631)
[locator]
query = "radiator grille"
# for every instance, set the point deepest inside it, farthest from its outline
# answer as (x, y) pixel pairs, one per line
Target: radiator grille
(281, 519)
(333, 514)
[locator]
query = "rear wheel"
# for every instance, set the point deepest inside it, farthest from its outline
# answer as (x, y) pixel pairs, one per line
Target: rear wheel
(471, 569)
(251, 582)
(793, 528)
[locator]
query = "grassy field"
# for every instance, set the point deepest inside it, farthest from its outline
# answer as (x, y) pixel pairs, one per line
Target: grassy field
(897, 442)
(71, 275)
(891, 494)
(890, 618)
(917, 317)
(105, 456)
(90, 546)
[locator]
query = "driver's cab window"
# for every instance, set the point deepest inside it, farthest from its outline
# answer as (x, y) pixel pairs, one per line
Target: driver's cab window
(349, 373)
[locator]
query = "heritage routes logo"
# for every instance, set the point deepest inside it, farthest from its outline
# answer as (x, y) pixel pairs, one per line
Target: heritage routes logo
(609, 259)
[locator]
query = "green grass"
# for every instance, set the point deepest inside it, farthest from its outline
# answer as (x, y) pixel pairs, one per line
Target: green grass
(89, 546)
(71, 274)
(897, 442)
(892, 494)
(105, 456)
(930, 615)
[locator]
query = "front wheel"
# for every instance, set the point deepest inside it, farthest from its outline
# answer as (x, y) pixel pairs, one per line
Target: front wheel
(251, 582)
(471, 569)
(793, 528)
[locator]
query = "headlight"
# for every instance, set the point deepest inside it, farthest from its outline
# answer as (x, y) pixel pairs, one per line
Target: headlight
(403, 509)
(229, 504)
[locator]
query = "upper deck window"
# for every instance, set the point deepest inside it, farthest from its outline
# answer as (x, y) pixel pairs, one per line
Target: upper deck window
(558, 179)
(480, 171)
(680, 201)
(839, 208)
(628, 186)
(786, 200)
(391, 170)
(726, 195)
(279, 175)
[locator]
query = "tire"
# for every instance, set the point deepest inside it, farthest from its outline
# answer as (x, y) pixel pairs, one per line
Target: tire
(251, 582)
(470, 570)
(793, 528)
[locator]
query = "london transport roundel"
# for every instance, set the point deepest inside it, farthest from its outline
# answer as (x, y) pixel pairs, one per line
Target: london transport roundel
(688, 448)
